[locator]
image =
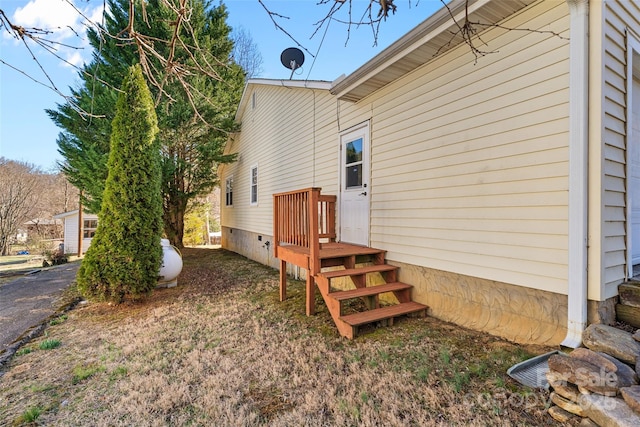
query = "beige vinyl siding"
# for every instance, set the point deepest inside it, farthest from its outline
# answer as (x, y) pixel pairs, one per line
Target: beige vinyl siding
(470, 161)
(618, 16)
(278, 137)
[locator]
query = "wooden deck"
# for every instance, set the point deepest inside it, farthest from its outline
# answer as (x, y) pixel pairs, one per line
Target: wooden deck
(330, 250)
(304, 218)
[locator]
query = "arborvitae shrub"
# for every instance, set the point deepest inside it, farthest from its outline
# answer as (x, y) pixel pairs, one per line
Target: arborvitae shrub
(125, 255)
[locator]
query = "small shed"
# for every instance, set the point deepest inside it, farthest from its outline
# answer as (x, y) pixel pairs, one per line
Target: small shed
(75, 234)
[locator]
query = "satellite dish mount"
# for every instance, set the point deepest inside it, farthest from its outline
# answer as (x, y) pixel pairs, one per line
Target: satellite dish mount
(292, 58)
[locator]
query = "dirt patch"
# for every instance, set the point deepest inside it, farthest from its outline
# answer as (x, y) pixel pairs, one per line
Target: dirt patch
(220, 349)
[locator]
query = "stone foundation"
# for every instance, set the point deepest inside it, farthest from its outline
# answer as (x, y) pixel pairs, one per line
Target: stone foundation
(517, 313)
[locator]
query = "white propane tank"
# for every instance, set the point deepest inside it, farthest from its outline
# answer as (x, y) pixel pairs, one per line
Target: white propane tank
(171, 265)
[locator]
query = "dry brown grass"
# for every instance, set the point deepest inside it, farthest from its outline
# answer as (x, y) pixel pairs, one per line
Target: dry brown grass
(220, 350)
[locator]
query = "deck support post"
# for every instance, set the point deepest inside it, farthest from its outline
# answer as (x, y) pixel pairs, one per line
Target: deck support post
(311, 294)
(283, 280)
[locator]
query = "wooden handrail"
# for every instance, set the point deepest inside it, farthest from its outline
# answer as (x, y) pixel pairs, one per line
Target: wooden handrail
(302, 218)
(327, 217)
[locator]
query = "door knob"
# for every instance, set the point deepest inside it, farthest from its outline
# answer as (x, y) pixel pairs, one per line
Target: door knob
(364, 193)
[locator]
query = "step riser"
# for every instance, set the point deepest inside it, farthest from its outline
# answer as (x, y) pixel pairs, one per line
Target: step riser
(369, 294)
(352, 260)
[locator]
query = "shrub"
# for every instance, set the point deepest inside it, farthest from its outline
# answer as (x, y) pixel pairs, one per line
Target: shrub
(124, 258)
(56, 257)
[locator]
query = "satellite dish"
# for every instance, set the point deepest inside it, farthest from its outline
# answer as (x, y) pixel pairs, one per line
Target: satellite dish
(292, 58)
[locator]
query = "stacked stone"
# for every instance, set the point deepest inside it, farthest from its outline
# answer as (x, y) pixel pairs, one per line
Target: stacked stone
(599, 382)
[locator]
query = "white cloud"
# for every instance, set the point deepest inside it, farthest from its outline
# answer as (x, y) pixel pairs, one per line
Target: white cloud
(75, 58)
(46, 14)
(66, 24)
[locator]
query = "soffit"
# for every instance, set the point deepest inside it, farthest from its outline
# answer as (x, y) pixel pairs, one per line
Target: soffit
(419, 46)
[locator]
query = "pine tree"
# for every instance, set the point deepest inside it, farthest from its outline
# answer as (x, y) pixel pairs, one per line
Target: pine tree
(125, 255)
(192, 140)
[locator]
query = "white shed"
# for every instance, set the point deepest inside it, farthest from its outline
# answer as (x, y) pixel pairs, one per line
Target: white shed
(73, 235)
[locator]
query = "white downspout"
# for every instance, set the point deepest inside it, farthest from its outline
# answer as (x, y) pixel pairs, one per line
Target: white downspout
(578, 170)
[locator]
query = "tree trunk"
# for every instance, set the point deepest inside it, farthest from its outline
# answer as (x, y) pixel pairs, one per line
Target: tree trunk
(173, 216)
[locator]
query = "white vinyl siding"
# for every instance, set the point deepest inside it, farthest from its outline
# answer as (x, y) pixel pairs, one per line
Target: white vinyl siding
(618, 17)
(470, 161)
(71, 231)
(71, 234)
(279, 136)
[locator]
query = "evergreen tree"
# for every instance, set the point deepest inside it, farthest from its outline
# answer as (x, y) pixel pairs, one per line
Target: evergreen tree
(125, 255)
(194, 121)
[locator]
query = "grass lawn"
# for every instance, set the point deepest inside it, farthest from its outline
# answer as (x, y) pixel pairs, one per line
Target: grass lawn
(221, 350)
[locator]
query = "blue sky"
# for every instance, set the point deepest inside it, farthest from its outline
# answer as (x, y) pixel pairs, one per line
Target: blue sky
(27, 133)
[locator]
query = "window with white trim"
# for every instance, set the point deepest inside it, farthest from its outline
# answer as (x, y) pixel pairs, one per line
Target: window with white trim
(89, 227)
(228, 191)
(254, 185)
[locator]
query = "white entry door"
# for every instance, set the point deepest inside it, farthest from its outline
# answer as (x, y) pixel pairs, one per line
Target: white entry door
(634, 160)
(355, 191)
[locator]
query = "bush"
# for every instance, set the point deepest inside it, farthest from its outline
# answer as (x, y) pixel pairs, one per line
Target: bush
(56, 257)
(124, 258)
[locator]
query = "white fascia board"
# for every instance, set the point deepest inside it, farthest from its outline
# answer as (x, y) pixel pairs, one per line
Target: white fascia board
(66, 214)
(433, 26)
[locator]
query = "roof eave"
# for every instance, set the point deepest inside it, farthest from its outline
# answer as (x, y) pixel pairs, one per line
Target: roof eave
(371, 76)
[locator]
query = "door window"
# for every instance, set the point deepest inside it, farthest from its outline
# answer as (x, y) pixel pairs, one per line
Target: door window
(353, 164)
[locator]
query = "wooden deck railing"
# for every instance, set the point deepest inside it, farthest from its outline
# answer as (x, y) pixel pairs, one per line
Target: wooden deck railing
(302, 218)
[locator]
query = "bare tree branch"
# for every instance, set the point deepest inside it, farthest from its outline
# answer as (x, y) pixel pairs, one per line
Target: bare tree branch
(468, 31)
(161, 69)
(273, 16)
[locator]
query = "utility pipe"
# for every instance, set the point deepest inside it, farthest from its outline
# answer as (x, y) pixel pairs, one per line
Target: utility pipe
(578, 170)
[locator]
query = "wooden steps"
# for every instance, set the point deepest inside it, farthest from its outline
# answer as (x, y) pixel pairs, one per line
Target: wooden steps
(381, 268)
(374, 263)
(304, 234)
(369, 291)
(383, 313)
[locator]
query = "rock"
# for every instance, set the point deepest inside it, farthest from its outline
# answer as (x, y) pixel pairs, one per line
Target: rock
(628, 314)
(583, 390)
(566, 404)
(586, 422)
(626, 375)
(584, 374)
(563, 388)
(629, 294)
(615, 342)
(595, 358)
(636, 335)
(609, 411)
(560, 415)
(631, 395)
